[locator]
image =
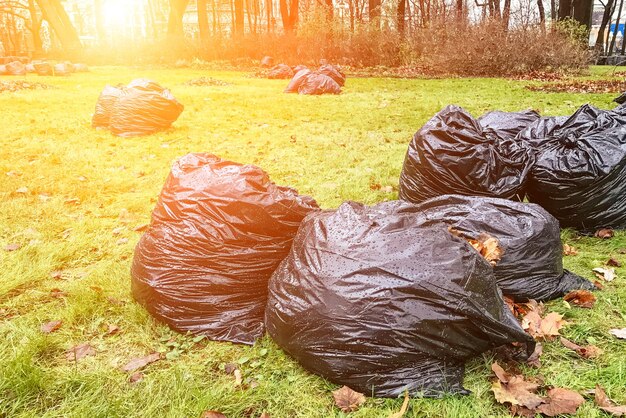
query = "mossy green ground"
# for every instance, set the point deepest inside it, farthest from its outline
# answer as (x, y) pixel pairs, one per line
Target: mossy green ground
(331, 147)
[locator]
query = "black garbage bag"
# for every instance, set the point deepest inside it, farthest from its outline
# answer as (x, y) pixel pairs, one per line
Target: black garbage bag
(104, 106)
(42, 68)
(316, 84)
(299, 67)
(371, 299)
(453, 154)
(297, 80)
(280, 71)
(531, 266)
(144, 108)
(217, 233)
(30, 68)
(580, 172)
(15, 68)
(507, 124)
(3, 70)
(81, 68)
(333, 72)
(621, 99)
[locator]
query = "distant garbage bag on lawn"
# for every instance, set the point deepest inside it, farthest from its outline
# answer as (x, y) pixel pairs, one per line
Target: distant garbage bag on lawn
(453, 154)
(280, 71)
(531, 265)
(15, 68)
(310, 82)
(217, 233)
(370, 298)
(580, 172)
(142, 107)
(42, 68)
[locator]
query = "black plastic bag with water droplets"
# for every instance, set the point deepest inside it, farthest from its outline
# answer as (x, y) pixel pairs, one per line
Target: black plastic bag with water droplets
(580, 172)
(531, 266)
(371, 299)
(453, 154)
(333, 72)
(507, 124)
(144, 108)
(313, 83)
(104, 106)
(217, 233)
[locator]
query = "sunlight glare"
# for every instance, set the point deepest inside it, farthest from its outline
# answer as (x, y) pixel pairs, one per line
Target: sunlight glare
(117, 13)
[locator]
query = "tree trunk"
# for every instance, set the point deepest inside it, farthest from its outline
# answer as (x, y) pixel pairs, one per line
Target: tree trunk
(400, 15)
(269, 5)
(289, 14)
(374, 11)
(582, 12)
(175, 19)
(542, 15)
(565, 9)
(552, 13)
(238, 5)
(506, 14)
(54, 13)
(606, 17)
(203, 21)
(35, 28)
(619, 15)
(329, 9)
(460, 12)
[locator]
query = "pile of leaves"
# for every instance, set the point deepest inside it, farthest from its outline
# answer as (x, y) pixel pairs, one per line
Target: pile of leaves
(582, 86)
(206, 81)
(539, 76)
(12, 86)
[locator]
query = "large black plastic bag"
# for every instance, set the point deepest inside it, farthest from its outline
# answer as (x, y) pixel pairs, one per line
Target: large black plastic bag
(217, 233)
(309, 82)
(531, 266)
(105, 105)
(371, 299)
(333, 72)
(453, 154)
(144, 108)
(280, 71)
(580, 173)
(507, 124)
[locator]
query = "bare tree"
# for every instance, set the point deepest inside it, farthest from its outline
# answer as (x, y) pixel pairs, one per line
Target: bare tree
(289, 14)
(175, 20)
(606, 17)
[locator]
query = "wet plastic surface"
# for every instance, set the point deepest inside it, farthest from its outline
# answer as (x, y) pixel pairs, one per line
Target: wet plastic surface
(217, 233)
(370, 299)
(333, 72)
(580, 172)
(141, 108)
(453, 154)
(507, 124)
(105, 105)
(531, 266)
(43, 68)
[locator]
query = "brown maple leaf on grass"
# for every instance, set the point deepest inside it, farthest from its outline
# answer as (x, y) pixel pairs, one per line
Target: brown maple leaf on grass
(582, 298)
(79, 351)
(140, 362)
(347, 399)
(546, 328)
(561, 401)
(607, 405)
(589, 351)
(513, 389)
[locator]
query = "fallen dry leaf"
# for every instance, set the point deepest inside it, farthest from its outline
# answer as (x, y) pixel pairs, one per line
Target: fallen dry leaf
(57, 274)
(81, 350)
(117, 231)
(229, 368)
(51, 326)
(613, 262)
(212, 414)
(135, 377)
(112, 329)
(405, 406)
(589, 351)
(122, 241)
(141, 228)
(607, 274)
(22, 190)
(12, 247)
(607, 405)
(347, 399)
(561, 401)
(513, 389)
(387, 189)
(582, 298)
(604, 233)
(485, 244)
(543, 328)
(569, 250)
(238, 377)
(140, 362)
(57, 293)
(619, 333)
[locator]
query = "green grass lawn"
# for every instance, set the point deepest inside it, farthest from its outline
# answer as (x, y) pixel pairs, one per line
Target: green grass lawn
(87, 190)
